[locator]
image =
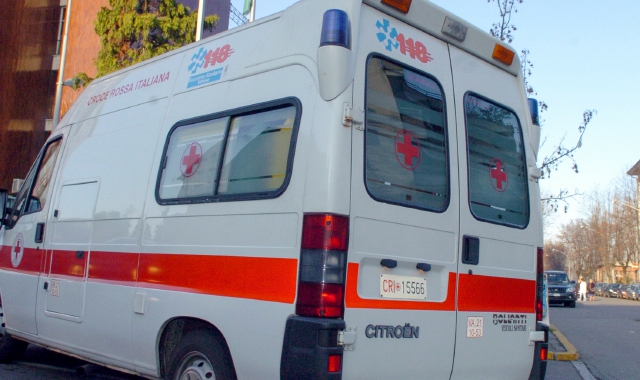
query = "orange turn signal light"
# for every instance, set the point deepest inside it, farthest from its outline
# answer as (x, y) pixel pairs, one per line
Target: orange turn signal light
(502, 54)
(401, 5)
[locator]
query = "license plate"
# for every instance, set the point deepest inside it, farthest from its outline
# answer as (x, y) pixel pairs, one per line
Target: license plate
(403, 287)
(555, 294)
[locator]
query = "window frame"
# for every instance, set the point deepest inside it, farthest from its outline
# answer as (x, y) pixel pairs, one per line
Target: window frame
(29, 183)
(231, 114)
(447, 203)
(524, 161)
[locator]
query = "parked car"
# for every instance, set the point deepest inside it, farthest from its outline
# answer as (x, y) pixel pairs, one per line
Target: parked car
(622, 291)
(600, 287)
(632, 292)
(612, 291)
(561, 290)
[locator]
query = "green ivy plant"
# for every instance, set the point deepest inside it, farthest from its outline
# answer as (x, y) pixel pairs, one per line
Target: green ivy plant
(131, 31)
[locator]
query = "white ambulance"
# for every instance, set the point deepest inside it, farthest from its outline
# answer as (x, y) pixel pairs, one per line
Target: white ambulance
(345, 189)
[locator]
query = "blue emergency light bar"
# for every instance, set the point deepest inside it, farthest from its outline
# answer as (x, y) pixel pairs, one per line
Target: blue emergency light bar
(335, 29)
(533, 109)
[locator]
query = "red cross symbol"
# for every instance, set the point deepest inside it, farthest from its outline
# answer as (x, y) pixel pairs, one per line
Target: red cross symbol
(404, 145)
(498, 171)
(191, 160)
(17, 249)
(16, 252)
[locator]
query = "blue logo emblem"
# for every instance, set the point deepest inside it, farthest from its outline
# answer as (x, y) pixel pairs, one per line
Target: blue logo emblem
(205, 58)
(387, 35)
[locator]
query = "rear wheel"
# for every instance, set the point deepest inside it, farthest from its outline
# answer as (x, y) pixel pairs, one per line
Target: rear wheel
(199, 356)
(10, 348)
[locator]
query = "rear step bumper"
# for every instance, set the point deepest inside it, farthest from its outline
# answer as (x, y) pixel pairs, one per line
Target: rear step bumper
(308, 342)
(539, 368)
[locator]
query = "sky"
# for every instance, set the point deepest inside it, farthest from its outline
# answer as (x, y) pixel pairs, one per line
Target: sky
(584, 55)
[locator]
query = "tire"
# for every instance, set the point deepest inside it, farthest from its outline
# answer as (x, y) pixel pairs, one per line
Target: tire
(10, 348)
(572, 304)
(200, 355)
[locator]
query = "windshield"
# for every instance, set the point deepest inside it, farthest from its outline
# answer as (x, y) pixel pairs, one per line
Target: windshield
(557, 278)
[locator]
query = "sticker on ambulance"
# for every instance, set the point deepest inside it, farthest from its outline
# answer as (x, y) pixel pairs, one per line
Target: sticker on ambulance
(403, 287)
(475, 327)
(55, 288)
(17, 250)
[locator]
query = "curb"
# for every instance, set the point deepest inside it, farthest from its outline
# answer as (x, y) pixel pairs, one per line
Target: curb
(570, 355)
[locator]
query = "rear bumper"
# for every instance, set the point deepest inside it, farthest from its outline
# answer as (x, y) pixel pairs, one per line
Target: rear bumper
(562, 297)
(539, 368)
(308, 342)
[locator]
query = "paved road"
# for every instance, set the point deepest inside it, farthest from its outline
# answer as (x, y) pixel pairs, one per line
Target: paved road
(606, 333)
(41, 364)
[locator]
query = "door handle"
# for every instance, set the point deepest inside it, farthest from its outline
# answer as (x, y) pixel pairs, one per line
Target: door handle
(39, 233)
(470, 250)
(79, 254)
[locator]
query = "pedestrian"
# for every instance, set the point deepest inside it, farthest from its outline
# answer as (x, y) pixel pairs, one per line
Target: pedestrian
(583, 290)
(591, 290)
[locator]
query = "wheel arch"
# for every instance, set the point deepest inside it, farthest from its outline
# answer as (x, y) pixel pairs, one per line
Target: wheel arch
(172, 332)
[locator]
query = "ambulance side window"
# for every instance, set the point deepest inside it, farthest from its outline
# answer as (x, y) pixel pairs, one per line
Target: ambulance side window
(39, 193)
(406, 137)
(33, 198)
(192, 159)
(498, 191)
(244, 154)
(257, 152)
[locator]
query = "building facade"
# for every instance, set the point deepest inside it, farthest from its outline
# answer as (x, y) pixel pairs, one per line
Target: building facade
(28, 38)
(29, 66)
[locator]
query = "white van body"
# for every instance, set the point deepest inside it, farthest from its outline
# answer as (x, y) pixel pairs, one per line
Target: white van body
(153, 231)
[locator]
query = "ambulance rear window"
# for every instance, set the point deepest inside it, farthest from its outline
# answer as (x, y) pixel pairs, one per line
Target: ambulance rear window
(245, 154)
(405, 138)
(498, 191)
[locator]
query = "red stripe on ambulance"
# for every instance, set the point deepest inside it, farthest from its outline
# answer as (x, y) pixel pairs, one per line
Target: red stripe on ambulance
(496, 294)
(266, 279)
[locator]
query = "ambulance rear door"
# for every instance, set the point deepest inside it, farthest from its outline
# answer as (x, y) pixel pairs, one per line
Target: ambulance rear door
(400, 289)
(498, 238)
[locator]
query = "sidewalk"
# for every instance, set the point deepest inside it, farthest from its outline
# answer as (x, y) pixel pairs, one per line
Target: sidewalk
(559, 347)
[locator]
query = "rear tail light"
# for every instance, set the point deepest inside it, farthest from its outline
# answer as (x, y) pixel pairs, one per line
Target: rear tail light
(323, 262)
(544, 351)
(539, 284)
(335, 363)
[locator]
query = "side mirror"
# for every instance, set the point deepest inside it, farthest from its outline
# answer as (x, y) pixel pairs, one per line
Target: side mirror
(3, 205)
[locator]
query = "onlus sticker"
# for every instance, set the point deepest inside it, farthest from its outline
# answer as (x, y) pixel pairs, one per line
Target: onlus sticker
(475, 327)
(191, 159)
(17, 250)
(55, 288)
